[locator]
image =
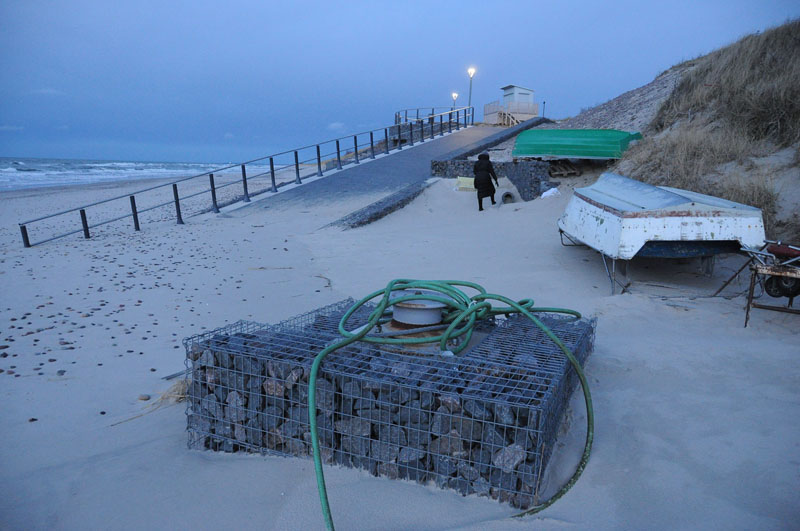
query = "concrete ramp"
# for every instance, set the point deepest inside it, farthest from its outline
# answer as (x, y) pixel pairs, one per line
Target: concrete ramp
(386, 174)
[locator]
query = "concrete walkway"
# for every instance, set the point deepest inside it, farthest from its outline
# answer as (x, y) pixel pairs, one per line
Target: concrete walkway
(385, 174)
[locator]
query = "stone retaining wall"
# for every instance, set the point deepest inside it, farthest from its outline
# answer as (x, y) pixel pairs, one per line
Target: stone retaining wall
(531, 177)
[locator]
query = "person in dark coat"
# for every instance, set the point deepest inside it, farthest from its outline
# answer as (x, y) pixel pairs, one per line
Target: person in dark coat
(484, 172)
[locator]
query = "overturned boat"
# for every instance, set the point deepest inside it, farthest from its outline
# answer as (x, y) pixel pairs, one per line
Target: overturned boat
(548, 144)
(622, 219)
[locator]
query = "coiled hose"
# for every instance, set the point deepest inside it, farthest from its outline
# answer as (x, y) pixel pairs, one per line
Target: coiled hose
(461, 313)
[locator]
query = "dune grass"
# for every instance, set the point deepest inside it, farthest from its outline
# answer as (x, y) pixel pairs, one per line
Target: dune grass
(752, 85)
(737, 102)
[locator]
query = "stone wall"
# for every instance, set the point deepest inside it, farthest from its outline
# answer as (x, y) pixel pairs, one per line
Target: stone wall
(531, 177)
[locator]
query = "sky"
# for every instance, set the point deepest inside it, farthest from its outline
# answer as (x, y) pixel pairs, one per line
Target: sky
(211, 81)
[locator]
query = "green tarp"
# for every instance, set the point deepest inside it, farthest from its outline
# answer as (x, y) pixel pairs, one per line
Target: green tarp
(573, 143)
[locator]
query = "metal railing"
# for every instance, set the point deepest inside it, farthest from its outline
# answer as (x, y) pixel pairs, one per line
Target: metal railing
(406, 115)
(271, 172)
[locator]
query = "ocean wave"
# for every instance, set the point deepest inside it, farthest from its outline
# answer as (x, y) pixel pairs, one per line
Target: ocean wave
(30, 173)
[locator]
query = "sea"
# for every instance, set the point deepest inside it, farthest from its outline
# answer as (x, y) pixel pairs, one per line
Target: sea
(23, 173)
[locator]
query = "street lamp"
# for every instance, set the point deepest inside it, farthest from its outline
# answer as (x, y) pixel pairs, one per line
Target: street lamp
(471, 72)
(544, 106)
(455, 97)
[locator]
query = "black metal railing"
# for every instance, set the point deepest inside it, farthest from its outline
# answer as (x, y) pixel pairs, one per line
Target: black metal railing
(417, 113)
(267, 174)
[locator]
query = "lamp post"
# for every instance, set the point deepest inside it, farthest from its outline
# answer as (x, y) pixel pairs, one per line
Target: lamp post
(455, 97)
(544, 106)
(471, 72)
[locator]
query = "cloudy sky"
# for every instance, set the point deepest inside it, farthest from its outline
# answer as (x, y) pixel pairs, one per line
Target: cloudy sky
(214, 81)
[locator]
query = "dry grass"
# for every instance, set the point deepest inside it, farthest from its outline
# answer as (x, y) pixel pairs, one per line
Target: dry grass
(174, 395)
(790, 230)
(752, 85)
(757, 191)
(738, 102)
(682, 158)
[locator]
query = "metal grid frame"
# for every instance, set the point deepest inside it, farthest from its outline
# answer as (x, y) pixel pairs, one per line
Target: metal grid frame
(484, 422)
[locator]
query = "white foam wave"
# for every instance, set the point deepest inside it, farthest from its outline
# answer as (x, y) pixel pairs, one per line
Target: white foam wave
(30, 173)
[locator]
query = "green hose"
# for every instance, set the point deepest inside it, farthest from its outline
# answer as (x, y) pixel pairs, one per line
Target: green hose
(461, 313)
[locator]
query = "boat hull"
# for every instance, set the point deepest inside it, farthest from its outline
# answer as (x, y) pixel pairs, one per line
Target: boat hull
(622, 219)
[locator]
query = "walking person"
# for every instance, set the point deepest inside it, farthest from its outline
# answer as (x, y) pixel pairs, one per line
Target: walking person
(484, 172)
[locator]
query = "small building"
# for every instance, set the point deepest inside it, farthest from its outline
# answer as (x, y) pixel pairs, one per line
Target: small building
(517, 106)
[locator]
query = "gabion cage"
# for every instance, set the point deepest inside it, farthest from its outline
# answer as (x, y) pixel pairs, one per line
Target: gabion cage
(482, 422)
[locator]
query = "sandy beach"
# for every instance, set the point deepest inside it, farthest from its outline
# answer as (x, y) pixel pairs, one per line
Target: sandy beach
(695, 414)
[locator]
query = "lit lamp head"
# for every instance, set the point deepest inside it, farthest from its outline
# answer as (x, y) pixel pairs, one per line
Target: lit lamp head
(471, 71)
(455, 97)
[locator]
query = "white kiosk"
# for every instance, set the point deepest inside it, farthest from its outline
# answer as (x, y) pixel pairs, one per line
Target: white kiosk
(517, 106)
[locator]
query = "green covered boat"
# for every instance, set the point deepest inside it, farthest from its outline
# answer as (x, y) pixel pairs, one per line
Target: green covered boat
(573, 143)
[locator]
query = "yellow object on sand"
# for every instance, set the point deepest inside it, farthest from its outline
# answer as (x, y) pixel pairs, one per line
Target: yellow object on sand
(466, 184)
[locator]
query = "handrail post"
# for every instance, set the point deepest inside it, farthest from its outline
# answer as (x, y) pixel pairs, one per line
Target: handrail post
(417, 113)
(25, 241)
(319, 163)
(406, 116)
(371, 145)
(355, 147)
(399, 136)
(458, 120)
(214, 206)
(85, 224)
(272, 174)
(297, 169)
(450, 122)
(411, 133)
(441, 125)
(338, 156)
(244, 185)
(432, 124)
(466, 120)
(177, 203)
(386, 140)
(135, 214)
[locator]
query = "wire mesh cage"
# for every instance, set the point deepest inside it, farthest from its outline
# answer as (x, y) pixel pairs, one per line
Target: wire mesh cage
(483, 422)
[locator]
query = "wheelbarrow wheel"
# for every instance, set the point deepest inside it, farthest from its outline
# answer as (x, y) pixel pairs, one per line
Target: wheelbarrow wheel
(773, 288)
(789, 287)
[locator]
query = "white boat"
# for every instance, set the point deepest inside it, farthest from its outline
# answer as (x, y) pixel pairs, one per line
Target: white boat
(622, 219)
